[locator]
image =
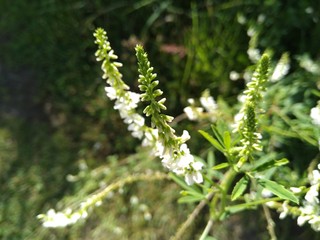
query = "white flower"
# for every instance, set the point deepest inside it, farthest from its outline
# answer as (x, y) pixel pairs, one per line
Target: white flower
(55, 219)
(312, 194)
(285, 210)
(136, 123)
(295, 189)
(315, 223)
(193, 113)
(233, 75)
(302, 219)
(315, 115)
(208, 103)
(134, 99)
(111, 93)
(191, 101)
(315, 177)
(150, 137)
(281, 69)
(254, 54)
(183, 160)
(185, 136)
(194, 177)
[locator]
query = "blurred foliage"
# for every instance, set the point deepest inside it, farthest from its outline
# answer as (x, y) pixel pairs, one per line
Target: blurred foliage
(54, 115)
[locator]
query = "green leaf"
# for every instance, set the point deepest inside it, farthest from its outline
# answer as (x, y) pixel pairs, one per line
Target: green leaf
(239, 188)
(278, 190)
(194, 193)
(210, 159)
(239, 208)
(216, 129)
(213, 141)
(189, 199)
(227, 140)
(271, 164)
(221, 166)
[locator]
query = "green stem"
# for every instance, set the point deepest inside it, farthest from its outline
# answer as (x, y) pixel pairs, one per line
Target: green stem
(225, 186)
(206, 230)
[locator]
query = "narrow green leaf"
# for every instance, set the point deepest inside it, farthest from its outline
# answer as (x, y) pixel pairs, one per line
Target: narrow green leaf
(213, 141)
(221, 166)
(227, 140)
(278, 190)
(239, 188)
(195, 194)
(189, 199)
(210, 159)
(240, 207)
(271, 164)
(218, 136)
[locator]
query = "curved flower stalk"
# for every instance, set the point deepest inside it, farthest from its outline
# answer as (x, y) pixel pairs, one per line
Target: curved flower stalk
(173, 150)
(53, 219)
(160, 136)
(125, 101)
(246, 119)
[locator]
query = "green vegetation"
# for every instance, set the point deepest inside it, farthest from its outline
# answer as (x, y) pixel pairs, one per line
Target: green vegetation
(61, 140)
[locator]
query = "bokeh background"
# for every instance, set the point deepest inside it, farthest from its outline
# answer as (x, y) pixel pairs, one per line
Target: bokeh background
(60, 138)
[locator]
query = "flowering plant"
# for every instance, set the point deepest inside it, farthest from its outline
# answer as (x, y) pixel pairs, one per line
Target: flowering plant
(242, 180)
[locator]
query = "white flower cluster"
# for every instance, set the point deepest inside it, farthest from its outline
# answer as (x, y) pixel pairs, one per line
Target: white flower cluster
(310, 211)
(179, 161)
(209, 108)
(176, 159)
(125, 103)
(55, 219)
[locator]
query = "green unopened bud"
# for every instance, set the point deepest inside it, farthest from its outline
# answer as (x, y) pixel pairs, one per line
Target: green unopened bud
(250, 118)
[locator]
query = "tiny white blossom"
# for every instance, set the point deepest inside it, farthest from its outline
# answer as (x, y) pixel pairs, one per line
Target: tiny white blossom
(285, 210)
(281, 69)
(312, 194)
(295, 189)
(193, 113)
(315, 115)
(302, 219)
(315, 223)
(55, 219)
(208, 103)
(111, 93)
(254, 54)
(185, 136)
(194, 177)
(233, 75)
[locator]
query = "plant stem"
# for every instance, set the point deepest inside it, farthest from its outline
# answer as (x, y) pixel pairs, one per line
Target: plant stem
(270, 222)
(191, 218)
(206, 230)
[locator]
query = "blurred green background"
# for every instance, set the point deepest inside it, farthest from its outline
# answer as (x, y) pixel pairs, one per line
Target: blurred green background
(55, 119)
